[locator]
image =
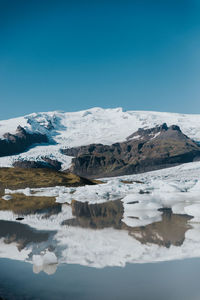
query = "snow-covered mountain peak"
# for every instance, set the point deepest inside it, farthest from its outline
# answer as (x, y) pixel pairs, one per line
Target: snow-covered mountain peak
(95, 125)
(98, 125)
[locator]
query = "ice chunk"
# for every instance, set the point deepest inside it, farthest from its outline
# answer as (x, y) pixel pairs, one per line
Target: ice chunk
(46, 262)
(7, 197)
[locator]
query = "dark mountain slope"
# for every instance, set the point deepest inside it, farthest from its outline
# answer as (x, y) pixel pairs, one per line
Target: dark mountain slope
(19, 142)
(145, 150)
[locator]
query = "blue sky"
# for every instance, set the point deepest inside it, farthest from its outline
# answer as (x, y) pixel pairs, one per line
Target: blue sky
(72, 55)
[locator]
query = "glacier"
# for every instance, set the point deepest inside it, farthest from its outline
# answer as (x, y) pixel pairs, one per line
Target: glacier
(95, 125)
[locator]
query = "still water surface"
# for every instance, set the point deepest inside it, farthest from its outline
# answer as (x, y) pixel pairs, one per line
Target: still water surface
(177, 280)
(99, 256)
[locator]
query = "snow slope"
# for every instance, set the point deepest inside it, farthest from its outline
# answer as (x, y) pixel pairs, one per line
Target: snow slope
(94, 125)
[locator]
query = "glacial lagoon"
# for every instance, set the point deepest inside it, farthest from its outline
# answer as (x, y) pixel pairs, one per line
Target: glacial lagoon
(93, 254)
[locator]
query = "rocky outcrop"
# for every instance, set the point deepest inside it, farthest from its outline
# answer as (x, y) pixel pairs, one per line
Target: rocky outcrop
(44, 163)
(52, 163)
(29, 164)
(144, 150)
(20, 141)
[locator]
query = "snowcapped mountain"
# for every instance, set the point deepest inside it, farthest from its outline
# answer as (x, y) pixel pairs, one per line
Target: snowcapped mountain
(96, 125)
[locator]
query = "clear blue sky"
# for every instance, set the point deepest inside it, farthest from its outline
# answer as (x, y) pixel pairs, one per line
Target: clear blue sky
(72, 55)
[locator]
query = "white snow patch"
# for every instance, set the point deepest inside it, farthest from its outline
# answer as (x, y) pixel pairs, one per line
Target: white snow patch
(155, 135)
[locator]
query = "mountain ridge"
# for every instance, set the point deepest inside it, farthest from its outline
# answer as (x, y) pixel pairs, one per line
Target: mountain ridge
(144, 150)
(95, 125)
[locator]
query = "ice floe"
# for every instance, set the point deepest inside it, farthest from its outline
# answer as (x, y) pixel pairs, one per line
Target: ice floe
(46, 262)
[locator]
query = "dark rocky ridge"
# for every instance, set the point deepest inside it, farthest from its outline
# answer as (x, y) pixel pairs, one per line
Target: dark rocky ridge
(144, 150)
(19, 142)
(46, 162)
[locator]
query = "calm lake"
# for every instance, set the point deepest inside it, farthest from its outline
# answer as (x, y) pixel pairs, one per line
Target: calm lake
(93, 254)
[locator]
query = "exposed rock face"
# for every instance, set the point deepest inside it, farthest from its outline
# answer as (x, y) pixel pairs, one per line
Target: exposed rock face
(19, 142)
(53, 163)
(44, 163)
(145, 150)
(29, 164)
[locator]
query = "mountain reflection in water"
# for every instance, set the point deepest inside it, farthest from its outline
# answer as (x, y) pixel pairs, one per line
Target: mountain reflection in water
(169, 231)
(95, 235)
